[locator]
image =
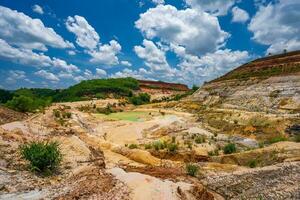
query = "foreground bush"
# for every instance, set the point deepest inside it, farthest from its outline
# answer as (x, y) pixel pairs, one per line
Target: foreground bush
(44, 157)
(192, 169)
(229, 148)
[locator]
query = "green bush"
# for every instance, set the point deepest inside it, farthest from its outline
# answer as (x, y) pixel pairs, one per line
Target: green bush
(213, 153)
(252, 163)
(192, 169)
(142, 98)
(56, 113)
(21, 104)
(44, 157)
(229, 148)
(172, 147)
(158, 145)
(148, 146)
(133, 146)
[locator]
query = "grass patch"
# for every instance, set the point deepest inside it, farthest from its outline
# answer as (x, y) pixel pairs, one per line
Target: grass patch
(277, 139)
(44, 157)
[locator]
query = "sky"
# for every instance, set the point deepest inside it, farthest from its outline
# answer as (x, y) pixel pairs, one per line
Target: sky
(56, 44)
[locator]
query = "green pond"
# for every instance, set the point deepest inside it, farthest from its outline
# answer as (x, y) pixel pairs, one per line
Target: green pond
(133, 116)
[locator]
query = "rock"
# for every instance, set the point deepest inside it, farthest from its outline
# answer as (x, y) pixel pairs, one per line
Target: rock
(280, 181)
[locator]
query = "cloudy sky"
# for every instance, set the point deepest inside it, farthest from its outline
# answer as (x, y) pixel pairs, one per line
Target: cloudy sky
(55, 43)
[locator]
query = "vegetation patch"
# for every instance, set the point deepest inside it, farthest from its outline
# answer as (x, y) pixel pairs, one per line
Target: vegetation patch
(230, 148)
(140, 99)
(44, 157)
(192, 169)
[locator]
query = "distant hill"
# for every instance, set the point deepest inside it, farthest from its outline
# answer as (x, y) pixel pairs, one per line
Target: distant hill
(33, 99)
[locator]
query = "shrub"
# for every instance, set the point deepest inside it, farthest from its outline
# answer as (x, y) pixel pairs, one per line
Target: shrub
(158, 145)
(66, 115)
(44, 157)
(107, 110)
(173, 139)
(56, 113)
(200, 139)
(252, 163)
(148, 146)
(133, 146)
(142, 98)
(192, 169)
(213, 153)
(229, 148)
(172, 147)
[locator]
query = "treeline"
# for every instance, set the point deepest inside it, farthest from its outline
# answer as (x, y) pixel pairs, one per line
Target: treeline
(35, 99)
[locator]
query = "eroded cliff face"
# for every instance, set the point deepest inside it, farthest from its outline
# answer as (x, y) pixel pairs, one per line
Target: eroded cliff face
(270, 84)
(274, 94)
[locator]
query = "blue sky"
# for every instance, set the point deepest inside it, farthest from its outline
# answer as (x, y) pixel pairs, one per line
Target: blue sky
(55, 44)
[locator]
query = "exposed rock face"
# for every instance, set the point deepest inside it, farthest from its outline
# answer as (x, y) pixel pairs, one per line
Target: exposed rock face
(279, 181)
(7, 115)
(269, 84)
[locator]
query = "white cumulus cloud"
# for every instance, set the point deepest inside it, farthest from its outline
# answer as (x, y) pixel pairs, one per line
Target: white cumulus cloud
(215, 7)
(199, 32)
(239, 15)
(29, 58)
(38, 9)
(47, 75)
(19, 29)
(278, 26)
(107, 53)
(126, 63)
(88, 38)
